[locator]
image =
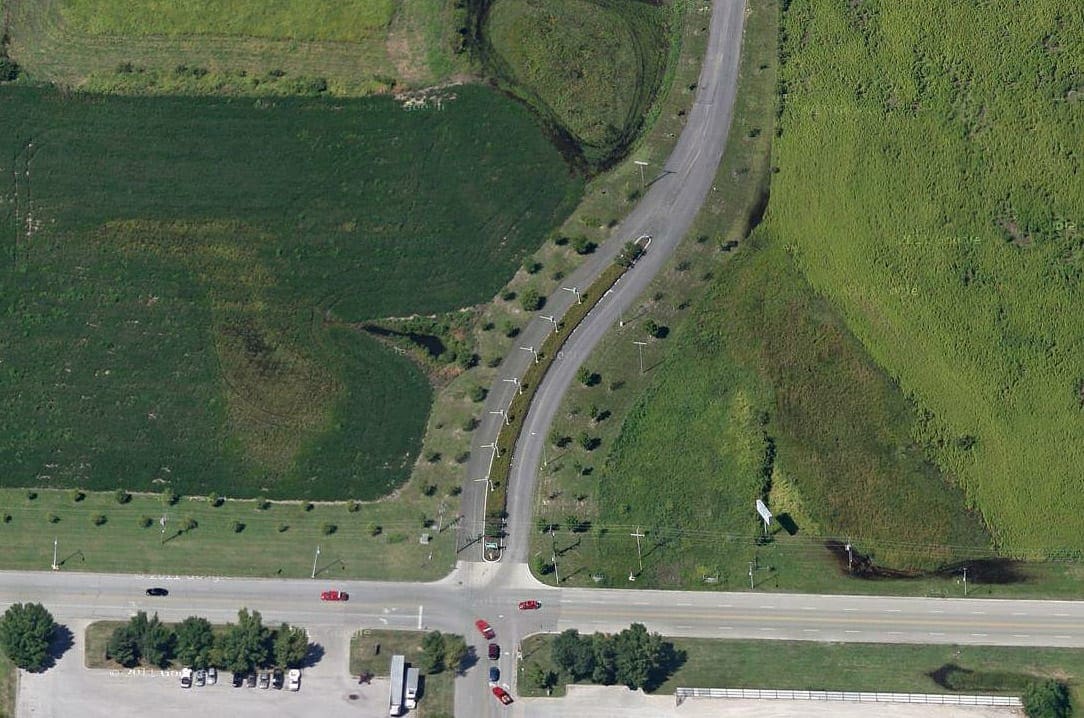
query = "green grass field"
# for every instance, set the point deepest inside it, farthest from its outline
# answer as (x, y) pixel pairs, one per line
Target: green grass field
(594, 66)
(929, 187)
(801, 665)
(340, 21)
(379, 540)
(371, 651)
(358, 46)
(9, 681)
(182, 275)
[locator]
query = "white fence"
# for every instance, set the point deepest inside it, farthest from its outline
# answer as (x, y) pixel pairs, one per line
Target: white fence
(847, 696)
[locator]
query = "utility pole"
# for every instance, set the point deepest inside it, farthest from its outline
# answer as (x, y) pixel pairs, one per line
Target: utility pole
(579, 298)
(641, 164)
(55, 566)
(440, 518)
(532, 351)
(503, 414)
(515, 380)
(640, 347)
(751, 564)
(965, 580)
(639, 556)
(162, 521)
(556, 574)
(551, 319)
(850, 560)
(315, 559)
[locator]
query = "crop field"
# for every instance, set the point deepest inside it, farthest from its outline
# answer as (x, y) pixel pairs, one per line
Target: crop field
(594, 66)
(211, 47)
(181, 276)
(929, 186)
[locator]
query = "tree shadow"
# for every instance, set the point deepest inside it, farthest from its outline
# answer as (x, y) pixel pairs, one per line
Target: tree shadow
(61, 640)
(70, 556)
(671, 660)
(469, 661)
(787, 523)
(313, 655)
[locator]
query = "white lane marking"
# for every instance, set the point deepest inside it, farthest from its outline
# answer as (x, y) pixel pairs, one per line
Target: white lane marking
(979, 635)
(978, 613)
(641, 603)
(936, 611)
(809, 608)
(893, 610)
(769, 608)
(1019, 614)
(852, 631)
(767, 629)
(1061, 615)
(895, 633)
(726, 605)
(685, 604)
(1064, 638)
(1021, 635)
(419, 618)
(811, 630)
(726, 628)
(683, 628)
(850, 609)
(934, 633)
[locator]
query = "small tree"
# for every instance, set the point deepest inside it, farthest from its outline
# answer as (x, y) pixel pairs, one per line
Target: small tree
(573, 654)
(122, 496)
(583, 376)
(170, 497)
(123, 646)
(25, 632)
(237, 527)
(214, 499)
(455, 651)
(629, 254)
(433, 653)
(374, 529)
(78, 495)
(291, 646)
(329, 529)
(247, 644)
(531, 300)
(583, 245)
(98, 519)
(156, 644)
(1047, 699)
(478, 394)
(195, 640)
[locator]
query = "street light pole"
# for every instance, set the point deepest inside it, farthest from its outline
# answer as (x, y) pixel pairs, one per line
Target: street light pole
(532, 351)
(315, 559)
(551, 319)
(496, 449)
(640, 347)
(485, 508)
(55, 567)
(574, 290)
(504, 415)
(639, 535)
(515, 380)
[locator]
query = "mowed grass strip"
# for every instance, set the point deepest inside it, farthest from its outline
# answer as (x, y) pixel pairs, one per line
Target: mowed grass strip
(802, 665)
(237, 538)
(371, 651)
(160, 342)
(934, 198)
(337, 20)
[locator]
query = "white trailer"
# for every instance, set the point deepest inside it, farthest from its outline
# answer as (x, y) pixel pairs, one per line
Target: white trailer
(398, 673)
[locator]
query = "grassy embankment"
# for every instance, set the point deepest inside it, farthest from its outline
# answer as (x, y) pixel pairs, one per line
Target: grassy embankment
(371, 651)
(161, 344)
(947, 226)
(9, 681)
(593, 67)
(800, 665)
(240, 48)
(831, 413)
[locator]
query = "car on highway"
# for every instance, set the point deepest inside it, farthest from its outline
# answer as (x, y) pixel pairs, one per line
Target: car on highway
(502, 695)
(484, 628)
(238, 680)
(334, 596)
(494, 651)
(531, 605)
(157, 591)
(212, 676)
(293, 680)
(186, 677)
(276, 679)
(494, 674)
(265, 679)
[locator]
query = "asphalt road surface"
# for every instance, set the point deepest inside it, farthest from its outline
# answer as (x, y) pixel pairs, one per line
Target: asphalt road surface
(666, 212)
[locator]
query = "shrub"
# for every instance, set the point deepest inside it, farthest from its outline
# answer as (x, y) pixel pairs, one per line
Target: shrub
(532, 301)
(1047, 699)
(374, 529)
(470, 423)
(122, 496)
(52, 518)
(478, 394)
(353, 507)
(510, 329)
(237, 527)
(283, 528)
(78, 496)
(9, 69)
(533, 267)
(31, 495)
(145, 521)
(7, 518)
(98, 519)
(432, 456)
(560, 240)
(263, 504)
(429, 489)
(462, 457)
(583, 245)
(170, 497)
(328, 529)
(190, 523)
(508, 295)
(309, 506)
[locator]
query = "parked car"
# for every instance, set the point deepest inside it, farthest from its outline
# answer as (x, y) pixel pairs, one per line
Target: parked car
(334, 596)
(484, 628)
(494, 674)
(200, 678)
(529, 605)
(293, 680)
(250, 680)
(238, 680)
(265, 679)
(157, 592)
(186, 677)
(276, 679)
(212, 676)
(494, 651)
(502, 695)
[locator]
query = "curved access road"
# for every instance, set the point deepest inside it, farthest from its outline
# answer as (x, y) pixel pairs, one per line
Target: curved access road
(666, 212)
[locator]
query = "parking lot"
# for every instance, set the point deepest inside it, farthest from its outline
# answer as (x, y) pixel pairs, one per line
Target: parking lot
(69, 689)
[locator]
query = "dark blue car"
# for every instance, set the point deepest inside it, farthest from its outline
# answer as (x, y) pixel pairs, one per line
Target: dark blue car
(494, 674)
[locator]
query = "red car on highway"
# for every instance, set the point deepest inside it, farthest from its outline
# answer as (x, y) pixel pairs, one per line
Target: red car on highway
(334, 596)
(502, 695)
(529, 605)
(484, 628)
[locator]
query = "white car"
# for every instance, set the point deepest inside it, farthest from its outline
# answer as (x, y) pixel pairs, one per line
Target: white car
(186, 677)
(293, 680)
(212, 676)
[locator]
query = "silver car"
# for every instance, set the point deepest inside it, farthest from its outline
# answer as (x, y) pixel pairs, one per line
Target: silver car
(212, 676)
(200, 678)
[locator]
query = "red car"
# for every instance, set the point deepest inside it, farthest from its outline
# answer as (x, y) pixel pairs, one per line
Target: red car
(502, 695)
(529, 605)
(334, 596)
(484, 628)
